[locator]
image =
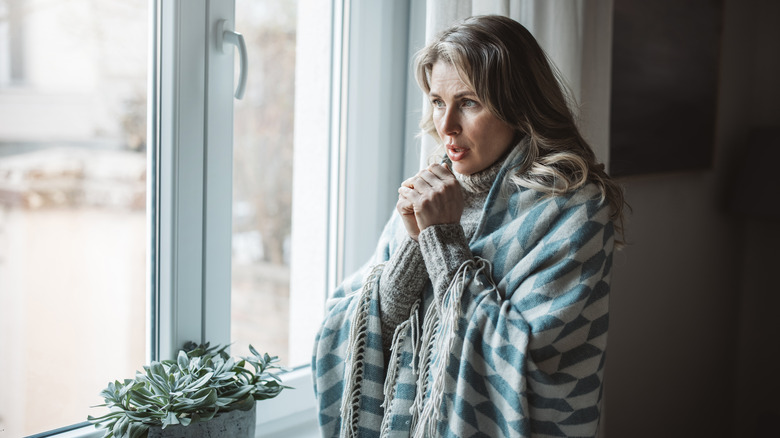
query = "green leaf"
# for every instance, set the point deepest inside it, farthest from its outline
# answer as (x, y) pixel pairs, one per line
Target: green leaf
(103, 418)
(200, 382)
(142, 398)
(274, 376)
(204, 398)
(208, 415)
(239, 392)
(137, 430)
(169, 419)
(121, 426)
(156, 375)
(224, 402)
(244, 404)
(183, 360)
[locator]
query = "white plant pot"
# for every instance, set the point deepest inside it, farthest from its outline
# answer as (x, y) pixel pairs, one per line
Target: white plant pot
(233, 424)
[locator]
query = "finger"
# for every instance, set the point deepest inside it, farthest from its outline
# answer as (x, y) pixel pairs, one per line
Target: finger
(404, 201)
(411, 195)
(429, 177)
(442, 171)
(435, 178)
(410, 182)
(422, 182)
(404, 206)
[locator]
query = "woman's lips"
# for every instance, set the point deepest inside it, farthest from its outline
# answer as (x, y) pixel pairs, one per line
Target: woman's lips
(456, 153)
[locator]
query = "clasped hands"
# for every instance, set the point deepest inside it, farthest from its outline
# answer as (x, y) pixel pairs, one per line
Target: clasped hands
(432, 197)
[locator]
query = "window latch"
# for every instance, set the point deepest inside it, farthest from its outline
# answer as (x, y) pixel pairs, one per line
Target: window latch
(226, 39)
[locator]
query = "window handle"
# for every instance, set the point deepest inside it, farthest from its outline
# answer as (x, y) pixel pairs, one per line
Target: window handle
(227, 38)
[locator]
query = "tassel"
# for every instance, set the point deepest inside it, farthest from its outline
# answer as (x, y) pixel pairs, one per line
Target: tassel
(394, 365)
(430, 325)
(353, 375)
(414, 322)
(439, 332)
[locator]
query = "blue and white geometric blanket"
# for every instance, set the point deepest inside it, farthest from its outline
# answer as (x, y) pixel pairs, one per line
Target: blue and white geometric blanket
(516, 348)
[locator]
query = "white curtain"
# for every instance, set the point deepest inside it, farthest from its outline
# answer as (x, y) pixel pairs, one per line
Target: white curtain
(577, 36)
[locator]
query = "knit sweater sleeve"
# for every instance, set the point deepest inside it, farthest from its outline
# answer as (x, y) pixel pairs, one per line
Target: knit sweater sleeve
(401, 284)
(444, 249)
(441, 250)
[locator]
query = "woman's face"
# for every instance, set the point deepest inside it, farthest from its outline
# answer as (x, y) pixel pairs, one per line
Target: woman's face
(473, 136)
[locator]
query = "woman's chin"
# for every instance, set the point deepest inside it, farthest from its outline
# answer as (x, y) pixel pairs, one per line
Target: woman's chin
(457, 167)
(462, 167)
(465, 168)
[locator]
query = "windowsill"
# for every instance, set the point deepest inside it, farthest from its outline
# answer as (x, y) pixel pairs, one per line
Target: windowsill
(292, 413)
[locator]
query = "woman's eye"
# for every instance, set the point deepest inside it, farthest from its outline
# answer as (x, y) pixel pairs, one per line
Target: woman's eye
(437, 103)
(468, 103)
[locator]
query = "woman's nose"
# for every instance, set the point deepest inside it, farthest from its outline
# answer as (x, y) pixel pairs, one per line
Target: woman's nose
(450, 125)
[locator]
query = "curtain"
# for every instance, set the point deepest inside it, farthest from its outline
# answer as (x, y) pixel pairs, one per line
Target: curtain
(577, 36)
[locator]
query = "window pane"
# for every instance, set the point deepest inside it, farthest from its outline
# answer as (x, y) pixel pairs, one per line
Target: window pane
(72, 206)
(262, 179)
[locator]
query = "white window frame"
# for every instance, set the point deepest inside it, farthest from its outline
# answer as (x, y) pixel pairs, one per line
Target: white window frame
(191, 246)
(190, 175)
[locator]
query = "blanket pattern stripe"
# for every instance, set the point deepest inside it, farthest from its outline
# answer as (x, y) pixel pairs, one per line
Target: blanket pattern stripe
(516, 348)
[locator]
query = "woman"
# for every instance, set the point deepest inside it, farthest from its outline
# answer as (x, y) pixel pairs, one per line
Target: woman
(484, 309)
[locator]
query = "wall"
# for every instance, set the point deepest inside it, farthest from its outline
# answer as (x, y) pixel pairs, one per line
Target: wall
(757, 380)
(688, 348)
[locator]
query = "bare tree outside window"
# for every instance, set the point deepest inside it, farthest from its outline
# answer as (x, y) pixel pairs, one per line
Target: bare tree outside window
(262, 180)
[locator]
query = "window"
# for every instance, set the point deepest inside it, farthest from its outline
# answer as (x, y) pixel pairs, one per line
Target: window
(262, 182)
(343, 129)
(72, 206)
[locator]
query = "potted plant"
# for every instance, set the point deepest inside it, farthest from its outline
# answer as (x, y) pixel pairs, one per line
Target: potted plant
(203, 388)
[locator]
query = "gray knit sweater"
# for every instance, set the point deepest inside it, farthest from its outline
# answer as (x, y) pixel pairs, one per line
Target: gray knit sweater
(441, 250)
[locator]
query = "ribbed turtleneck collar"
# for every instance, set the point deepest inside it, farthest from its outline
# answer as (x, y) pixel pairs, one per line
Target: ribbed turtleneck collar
(481, 181)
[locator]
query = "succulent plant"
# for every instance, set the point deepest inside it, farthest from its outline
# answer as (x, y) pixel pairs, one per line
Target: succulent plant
(202, 382)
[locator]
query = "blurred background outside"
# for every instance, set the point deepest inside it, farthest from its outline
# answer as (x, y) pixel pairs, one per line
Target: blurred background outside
(73, 238)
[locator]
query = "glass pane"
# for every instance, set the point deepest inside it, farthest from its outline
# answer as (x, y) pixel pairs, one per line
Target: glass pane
(72, 206)
(262, 179)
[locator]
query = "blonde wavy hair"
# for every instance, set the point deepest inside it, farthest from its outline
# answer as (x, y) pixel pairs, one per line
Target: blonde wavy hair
(510, 73)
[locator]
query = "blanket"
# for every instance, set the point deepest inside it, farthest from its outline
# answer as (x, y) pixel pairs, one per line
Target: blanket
(515, 348)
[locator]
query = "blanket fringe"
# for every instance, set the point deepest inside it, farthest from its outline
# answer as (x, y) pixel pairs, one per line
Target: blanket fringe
(414, 322)
(439, 332)
(394, 363)
(353, 375)
(430, 325)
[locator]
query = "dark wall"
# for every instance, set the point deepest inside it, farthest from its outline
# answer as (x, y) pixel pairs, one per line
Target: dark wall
(693, 337)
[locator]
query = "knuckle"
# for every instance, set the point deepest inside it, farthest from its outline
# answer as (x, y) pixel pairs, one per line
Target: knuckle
(426, 202)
